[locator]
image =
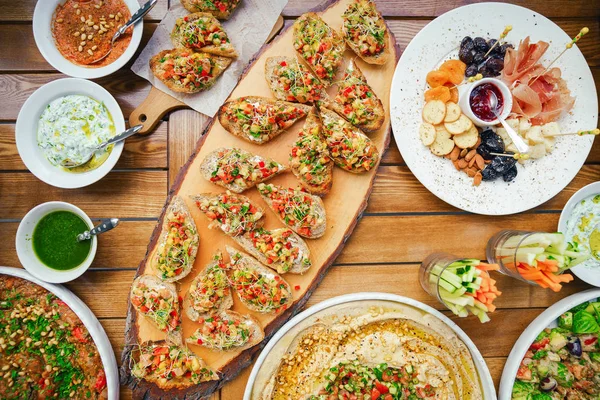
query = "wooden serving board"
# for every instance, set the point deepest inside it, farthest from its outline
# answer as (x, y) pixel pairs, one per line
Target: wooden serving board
(344, 206)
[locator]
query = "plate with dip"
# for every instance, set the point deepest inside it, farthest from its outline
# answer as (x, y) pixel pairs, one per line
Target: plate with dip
(62, 120)
(47, 246)
(580, 223)
(72, 34)
(408, 346)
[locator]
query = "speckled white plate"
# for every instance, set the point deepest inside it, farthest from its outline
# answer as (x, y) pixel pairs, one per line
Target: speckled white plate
(539, 180)
(90, 321)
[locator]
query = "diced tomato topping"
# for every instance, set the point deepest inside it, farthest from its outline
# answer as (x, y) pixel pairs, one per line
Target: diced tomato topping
(283, 64)
(100, 382)
(78, 333)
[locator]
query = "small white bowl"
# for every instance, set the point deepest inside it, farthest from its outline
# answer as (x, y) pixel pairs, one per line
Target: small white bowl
(465, 104)
(24, 245)
(27, 126)
(42, 33)
(589, 275)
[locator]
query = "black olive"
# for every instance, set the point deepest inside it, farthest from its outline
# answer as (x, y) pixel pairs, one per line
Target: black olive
(465, 55)
(548, 384)
(466, 41)
(511, 174)
(488, 134)
(503, 164)
(488, 73)
(494, 65)
(478, 58)
(481, 44)
(484, 151)
(488, 173)
(472, 70)
(492, 141)
(574, 346)
(505, 46)
(491, 43)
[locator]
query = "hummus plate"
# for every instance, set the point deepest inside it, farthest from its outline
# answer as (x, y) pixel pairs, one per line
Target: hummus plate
(418, 341)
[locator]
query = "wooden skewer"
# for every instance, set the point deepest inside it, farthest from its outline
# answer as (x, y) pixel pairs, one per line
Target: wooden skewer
(576, 39)
(507, 29)
(595, 132)
(516, 156)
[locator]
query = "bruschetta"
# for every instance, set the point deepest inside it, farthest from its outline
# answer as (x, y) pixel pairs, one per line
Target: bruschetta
(280, 249)
(178, 243)
(184, 71)
(209, 292)
(309, 158)
(357, 102)
(202, 32)
(259, 119)
(366, 33)
(349, 147)
(319, 45)
(222, 9)
(170, 366)
(234, 214)
(259, 288)
(238, 170)
(228, 330)
(158, 302)
(290, 80)
(303, 212)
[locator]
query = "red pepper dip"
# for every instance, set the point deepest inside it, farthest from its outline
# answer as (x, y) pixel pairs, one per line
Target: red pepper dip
(83, 30)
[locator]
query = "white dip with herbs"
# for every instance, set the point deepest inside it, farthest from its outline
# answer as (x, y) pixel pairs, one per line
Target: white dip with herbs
(71, 126)
(583, 228)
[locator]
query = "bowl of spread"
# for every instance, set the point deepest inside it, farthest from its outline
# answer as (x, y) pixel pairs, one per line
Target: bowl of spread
(73, 35)
(63, 122)
(475, 101)
(47, 245)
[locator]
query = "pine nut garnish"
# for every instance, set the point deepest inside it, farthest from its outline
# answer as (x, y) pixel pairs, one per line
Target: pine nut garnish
(59, 20)
(76, 5)
(111, 15)
(90, 36)
(90, 52)
(76, 33)
(82, 29)
(83, 42)
(97, 6)
(96, 27)
(94, 47)
(83, 36)
(82, 18)
(78, 12)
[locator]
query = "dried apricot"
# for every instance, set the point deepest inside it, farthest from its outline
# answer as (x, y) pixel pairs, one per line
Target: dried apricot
(454, 95)
(438, 78)
(438, 93)
(456, 70)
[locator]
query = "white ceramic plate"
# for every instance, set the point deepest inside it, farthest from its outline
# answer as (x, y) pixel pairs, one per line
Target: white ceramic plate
(281, 340)
(539, 180)
(42, 33)
(590, 275)
(27, 126)
(90, 321)
(547, 319)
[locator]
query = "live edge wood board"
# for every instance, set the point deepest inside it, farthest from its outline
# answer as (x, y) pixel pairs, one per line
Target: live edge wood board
(344, 205)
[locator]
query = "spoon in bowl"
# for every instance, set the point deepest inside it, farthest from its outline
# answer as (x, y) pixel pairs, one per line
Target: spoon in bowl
(138, 15)
(104, 226)
(514, 136)
(117, 138)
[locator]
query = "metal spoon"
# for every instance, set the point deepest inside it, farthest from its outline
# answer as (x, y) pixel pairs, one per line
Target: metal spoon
(138, 15)
(117, 138)
(104, 226)
(514, 136)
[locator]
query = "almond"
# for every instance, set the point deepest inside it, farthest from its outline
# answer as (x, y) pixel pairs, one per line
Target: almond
(477, 179)
(462, 164)
(479, 161)
(470, 155)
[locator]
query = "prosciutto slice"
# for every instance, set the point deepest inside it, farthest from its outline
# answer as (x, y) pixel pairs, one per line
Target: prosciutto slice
(518, 63)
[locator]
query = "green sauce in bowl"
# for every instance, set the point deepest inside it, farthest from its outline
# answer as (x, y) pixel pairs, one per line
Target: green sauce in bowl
(55, 242)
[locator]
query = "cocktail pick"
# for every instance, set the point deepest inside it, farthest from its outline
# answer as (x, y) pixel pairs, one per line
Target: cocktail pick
(576, 39)
(507, 29)
(516, 156)
(595, 132)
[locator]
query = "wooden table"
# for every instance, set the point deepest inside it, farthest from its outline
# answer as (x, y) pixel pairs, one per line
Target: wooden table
(402, 225)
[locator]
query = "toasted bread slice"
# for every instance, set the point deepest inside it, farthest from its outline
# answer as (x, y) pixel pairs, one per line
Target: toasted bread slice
(158, 302)
(319, 45)
(234, 214)
(303, 212)
(209, 292)
(154, 360)
(221, 11)
(349, 147)
(202, 32)
(260, 119)
(290, 80)
(258, 287)
(174, 259)
(220, 166)
(366, 33)
(309, 157)
(228, 330)
(175, 66)
(357, 102)
(280, 249)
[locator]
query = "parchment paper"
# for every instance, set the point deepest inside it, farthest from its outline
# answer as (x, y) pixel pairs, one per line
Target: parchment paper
(248, 29)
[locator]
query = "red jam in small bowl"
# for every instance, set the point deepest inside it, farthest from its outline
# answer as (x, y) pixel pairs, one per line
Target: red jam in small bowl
(480, 102)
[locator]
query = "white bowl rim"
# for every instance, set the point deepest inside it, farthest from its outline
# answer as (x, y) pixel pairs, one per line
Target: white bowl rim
(480, 365)
(53, 276)
(42, 33)
(506, 107)
(49, 92)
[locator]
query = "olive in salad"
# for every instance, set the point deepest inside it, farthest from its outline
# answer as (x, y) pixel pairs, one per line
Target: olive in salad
(563, 362)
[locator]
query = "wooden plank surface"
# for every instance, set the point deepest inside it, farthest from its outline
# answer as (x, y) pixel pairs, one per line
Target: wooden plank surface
(405, 220)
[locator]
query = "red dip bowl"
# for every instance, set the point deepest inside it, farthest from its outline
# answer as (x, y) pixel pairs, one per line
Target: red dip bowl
(480, 103)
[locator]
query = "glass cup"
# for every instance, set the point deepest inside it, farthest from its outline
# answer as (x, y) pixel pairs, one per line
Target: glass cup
(437, 263)
(502, 249)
